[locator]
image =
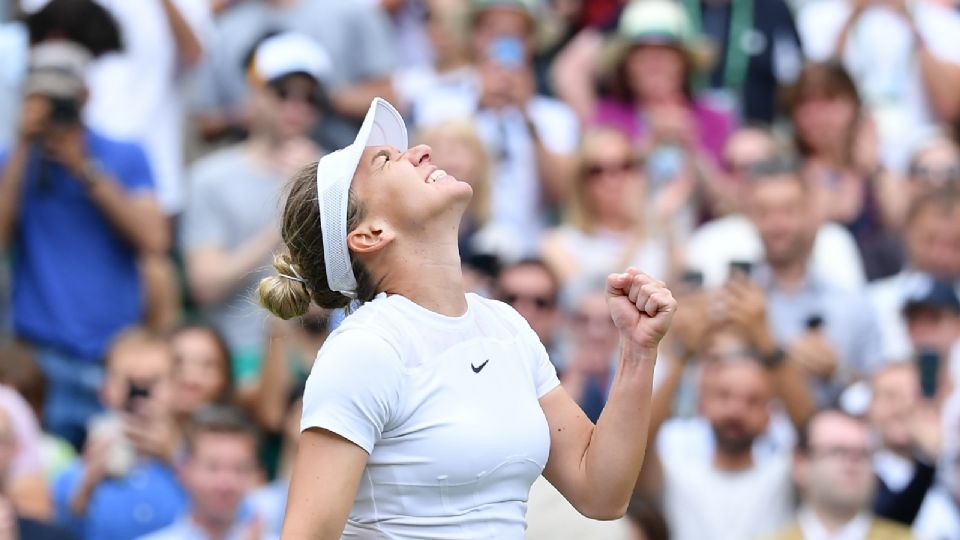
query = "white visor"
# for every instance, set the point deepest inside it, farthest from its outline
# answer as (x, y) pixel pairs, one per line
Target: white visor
(383, 125)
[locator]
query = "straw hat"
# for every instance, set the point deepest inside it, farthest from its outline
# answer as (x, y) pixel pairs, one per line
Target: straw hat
(657, 22)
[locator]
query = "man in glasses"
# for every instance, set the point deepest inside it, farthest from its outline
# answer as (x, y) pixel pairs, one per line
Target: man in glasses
(531, 288)
(229, 230)
(935, 164)
(833, 471)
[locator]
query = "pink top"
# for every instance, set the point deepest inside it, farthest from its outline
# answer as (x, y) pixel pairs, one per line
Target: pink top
(25, 429)
(713, 126)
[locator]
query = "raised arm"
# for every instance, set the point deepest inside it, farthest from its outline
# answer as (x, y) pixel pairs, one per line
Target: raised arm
(596, 467)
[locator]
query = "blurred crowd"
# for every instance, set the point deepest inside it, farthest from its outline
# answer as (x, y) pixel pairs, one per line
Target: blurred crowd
(790, 168)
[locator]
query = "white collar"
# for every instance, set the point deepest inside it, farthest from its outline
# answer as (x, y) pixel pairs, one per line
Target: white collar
(856, 529)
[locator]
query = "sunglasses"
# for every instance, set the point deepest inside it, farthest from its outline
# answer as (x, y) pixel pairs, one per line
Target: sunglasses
(936, 175)
(542, 303)
(599, 170)
(286, 93)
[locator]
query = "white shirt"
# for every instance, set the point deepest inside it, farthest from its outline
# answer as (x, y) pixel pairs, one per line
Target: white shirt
(447, 408)
(856, 529)
(515, 189)
(939, 516)
(136, 95)
(880, 55)
(702, 502)
(734, 238)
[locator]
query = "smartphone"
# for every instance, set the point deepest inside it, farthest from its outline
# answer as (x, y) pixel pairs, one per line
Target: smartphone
(137, 392)
(815, 322)
(664, 165)
(741, 268)
(507, 51)
(64, 112)
(928, 364)
(693, 279)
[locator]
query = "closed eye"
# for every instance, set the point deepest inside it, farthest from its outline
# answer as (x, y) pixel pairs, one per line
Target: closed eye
(385, 154)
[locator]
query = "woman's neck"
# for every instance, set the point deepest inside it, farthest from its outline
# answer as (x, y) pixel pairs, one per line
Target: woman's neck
(612, 222)
(427, 271)
(664, 100)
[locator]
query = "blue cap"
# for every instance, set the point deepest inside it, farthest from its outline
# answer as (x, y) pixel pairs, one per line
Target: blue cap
(932, 295)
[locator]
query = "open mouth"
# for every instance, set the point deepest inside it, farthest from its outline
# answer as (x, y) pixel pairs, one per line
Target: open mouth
(436, 176)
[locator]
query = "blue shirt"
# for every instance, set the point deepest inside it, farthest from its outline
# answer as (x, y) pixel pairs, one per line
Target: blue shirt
(75, 278)
(147, 499)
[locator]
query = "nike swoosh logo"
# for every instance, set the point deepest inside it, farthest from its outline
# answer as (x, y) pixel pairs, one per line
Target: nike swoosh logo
(476, 369)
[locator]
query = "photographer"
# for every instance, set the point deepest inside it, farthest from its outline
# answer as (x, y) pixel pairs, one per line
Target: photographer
(125, 486)
(78, 209)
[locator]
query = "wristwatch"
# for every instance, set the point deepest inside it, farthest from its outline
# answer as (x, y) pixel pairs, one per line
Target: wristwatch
(774, 359)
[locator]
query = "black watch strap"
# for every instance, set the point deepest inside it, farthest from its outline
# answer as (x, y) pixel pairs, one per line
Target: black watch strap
(774, 359)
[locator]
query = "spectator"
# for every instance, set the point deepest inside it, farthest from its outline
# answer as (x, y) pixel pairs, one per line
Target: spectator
(449, 63)
(530, 138)
(219, 471)
(656, 54)
(716, 244)
(361, 66)
(830, 331)
(905, 59)
(607, 226)
(932, 314)
(531, 287)
(758, 50)
(19, 370)
(832, 470)
(12, 523)
(646, 522)
(202, 373)
(79, 209)
(124, 486)
(932, 245)
(939, 516)
(461, 152)
(909, 433)
(23, 484)
(840, 161)
(935, 164)
(270, 501)
(589, 372)
(715, 479)
(230, 231)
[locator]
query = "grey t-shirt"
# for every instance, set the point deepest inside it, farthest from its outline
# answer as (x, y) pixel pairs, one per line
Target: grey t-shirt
(356, 35)
(231, 200)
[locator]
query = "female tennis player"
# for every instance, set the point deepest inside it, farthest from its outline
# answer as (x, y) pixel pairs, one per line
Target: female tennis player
(430, 412)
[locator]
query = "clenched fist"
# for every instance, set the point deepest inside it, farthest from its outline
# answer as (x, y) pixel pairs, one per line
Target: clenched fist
(641, 307)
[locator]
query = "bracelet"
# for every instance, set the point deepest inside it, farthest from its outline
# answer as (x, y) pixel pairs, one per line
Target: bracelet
(774, 359)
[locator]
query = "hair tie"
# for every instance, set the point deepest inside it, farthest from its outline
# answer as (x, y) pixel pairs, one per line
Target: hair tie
(295, 277)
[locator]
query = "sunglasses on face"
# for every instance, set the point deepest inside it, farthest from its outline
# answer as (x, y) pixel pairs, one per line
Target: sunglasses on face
(288, 92)
(542, 303)
(599, 170)
(936, 175)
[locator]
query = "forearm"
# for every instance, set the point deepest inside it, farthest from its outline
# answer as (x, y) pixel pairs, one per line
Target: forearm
(556, 170)
(274, 380)
(941, 80)
(81, 497)
(790, 382)
(11, 183)
(212, 279)
(614, 455)
(844, 35)
(188, 45)
(147, 231)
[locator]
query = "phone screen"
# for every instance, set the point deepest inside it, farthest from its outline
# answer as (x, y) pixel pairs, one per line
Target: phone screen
(928, 364)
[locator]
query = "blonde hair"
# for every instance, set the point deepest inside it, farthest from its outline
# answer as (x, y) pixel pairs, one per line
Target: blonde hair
(464, 131)
(578, 211)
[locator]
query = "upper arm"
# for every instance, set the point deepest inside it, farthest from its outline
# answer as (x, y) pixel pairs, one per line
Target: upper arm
(326, 474)
(570, 433)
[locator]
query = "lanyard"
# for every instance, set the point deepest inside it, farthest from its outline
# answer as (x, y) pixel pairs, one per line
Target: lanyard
(735, 63)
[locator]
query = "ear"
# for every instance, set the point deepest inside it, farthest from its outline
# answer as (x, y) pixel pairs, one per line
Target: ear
(370, 238)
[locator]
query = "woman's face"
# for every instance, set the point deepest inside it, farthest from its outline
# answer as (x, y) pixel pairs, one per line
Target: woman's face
(655, 72)
(457, 157)
(611, 174)
(823, 122)
(406, 193)
(202, 371)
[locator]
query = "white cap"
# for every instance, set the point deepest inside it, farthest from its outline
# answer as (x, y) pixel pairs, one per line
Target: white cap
(383, 125)
(288, 53)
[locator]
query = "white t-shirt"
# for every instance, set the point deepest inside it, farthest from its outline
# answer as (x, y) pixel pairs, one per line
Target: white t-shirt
(136, 95)
(447, 408)
(939, 516)
(701, 502)
(880, 55)
(733, 238)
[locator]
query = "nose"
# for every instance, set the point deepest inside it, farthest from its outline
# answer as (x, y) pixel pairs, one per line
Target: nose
(418, 154)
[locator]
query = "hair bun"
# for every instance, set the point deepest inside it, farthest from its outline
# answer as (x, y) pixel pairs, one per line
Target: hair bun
(284, 297)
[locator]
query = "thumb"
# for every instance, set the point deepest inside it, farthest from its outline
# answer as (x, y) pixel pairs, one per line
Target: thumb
(617, 284)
